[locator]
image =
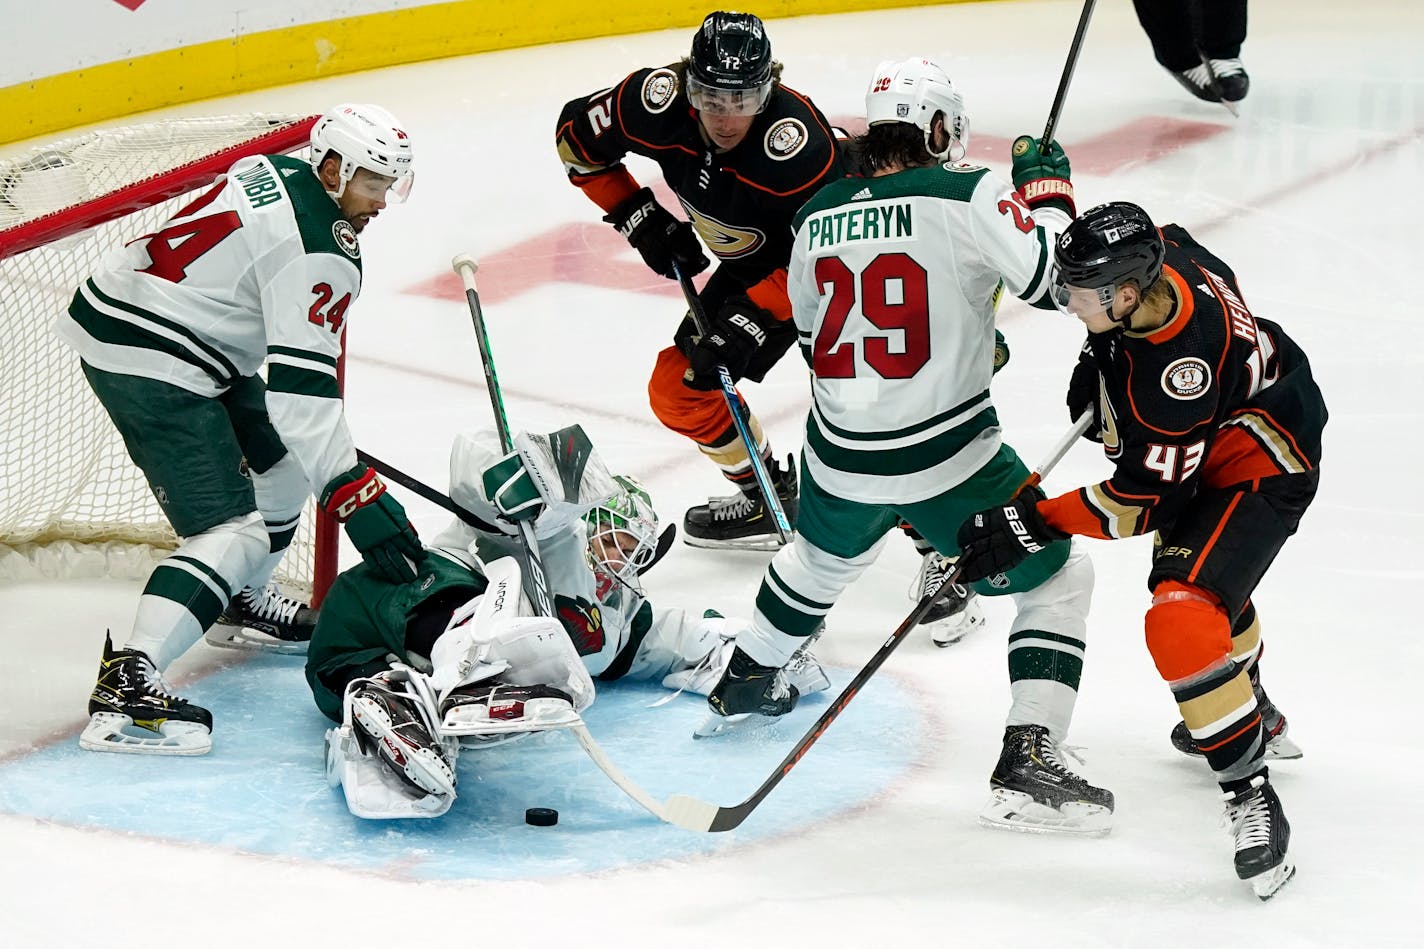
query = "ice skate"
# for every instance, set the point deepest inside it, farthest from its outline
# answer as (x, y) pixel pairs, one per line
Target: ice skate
(492, 711)
(132, 710)
(1273, 725)
(1032, 790)
(746, 689)
(803, 671)
(1262, 837)
(392, 724)
(953, 615)
(264, 618)
(742, 521)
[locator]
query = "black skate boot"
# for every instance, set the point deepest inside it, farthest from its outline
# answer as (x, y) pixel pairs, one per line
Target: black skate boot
(1232, 82)
(747, 688)
(264, 618)
(1032, 789)
(391, 723)
(1262, 836)
(132, 710)
(741, 521)
(1279, 745)
(956, 613)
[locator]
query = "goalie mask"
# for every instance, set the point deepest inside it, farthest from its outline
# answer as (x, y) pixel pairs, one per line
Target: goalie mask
(365, 136)
(622, 540)
(914, 91)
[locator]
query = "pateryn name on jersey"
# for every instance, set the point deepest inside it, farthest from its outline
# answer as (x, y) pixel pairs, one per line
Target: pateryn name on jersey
(869, 222)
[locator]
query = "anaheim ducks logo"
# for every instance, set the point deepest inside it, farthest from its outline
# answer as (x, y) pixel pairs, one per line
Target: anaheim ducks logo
(345, 236)
(1186, 378)
(727, 242)
(785, 138)
(659, 89)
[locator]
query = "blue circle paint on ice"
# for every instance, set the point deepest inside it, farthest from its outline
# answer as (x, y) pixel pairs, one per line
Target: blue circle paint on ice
(263, 789)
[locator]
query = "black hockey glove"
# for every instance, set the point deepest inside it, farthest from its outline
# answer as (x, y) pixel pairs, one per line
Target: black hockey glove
(998, 539)
(732, 340)
(661, 238)
(1084, 396)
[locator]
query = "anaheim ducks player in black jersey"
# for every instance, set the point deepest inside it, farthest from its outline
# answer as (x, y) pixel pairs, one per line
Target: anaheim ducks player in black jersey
(1214, 422)
(742, 152)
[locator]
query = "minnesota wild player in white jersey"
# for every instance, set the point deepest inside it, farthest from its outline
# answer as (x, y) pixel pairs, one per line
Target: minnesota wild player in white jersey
(172, 331)
(893, 282)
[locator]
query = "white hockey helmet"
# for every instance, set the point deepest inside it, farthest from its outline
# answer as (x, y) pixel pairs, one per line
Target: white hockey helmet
(365, 136)
(914, 91)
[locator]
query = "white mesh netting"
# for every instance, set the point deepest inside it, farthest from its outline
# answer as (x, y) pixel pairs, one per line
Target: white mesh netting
(71, 501)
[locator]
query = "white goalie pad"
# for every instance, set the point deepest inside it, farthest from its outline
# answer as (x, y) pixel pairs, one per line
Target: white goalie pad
(372, 789)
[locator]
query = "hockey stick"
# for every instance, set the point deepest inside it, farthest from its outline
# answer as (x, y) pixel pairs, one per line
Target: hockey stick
(695, 814)
(734, 408)
(426, 492)
(1067, 77)
(465, 266)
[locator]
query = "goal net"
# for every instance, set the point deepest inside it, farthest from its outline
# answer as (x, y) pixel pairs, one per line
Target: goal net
(71, 502)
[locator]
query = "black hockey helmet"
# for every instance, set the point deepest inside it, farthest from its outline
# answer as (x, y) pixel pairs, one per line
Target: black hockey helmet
(730, 64)
(1109, 245)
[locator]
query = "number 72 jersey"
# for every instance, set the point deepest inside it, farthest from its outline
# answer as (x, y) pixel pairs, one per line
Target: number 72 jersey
(893, 283)
(259, 268)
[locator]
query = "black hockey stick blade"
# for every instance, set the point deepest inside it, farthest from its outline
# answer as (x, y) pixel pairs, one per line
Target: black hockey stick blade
(695, 814)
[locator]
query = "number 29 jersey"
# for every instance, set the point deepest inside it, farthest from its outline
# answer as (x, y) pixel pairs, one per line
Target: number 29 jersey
(259, 268)
(894, 281)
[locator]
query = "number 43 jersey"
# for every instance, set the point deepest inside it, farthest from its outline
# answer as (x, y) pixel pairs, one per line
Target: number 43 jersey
(259, 268)
(894, 281)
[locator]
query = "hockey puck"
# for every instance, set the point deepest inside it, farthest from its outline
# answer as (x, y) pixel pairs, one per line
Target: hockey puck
(541, 816)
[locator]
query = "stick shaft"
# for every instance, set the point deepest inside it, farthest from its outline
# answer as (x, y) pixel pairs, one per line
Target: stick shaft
(1067, 76)
(734, 408)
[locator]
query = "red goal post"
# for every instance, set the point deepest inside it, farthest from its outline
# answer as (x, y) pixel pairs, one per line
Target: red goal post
(72, 504)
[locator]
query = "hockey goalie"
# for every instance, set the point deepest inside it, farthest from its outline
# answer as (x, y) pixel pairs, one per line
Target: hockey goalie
(413, 673)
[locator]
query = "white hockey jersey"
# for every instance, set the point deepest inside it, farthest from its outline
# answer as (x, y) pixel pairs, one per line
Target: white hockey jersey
(893, 283)
(259, 268)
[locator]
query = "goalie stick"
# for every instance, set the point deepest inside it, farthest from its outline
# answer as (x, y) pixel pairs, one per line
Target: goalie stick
(466, 266)
(734, 408)
(695, 814)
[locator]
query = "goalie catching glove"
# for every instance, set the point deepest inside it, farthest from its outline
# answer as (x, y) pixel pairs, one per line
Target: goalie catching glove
(661, 238)
(1042, 177)
(998, 539)
(732, 340)
(375, 522)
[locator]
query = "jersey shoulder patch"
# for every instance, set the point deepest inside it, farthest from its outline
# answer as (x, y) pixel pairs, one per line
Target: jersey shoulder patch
(784, 138)
(658, 90)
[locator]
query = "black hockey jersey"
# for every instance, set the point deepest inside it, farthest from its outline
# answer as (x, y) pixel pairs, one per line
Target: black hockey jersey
(1214, 397)
(741, 201)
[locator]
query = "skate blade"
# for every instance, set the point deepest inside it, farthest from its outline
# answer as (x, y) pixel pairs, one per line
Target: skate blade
(1267, 884)
(755, 542)
(241, 637)
(952, 629)
(714, 724)
(1283, 749)
(112, 732)
(1015, 810)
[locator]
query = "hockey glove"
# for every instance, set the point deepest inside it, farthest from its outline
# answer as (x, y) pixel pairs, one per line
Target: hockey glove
(732, 340)
(661, 238)
(1042, 178)
(1084, 395)
(998, 539)
(511, 490)
(375, 522)
(1001, 352)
